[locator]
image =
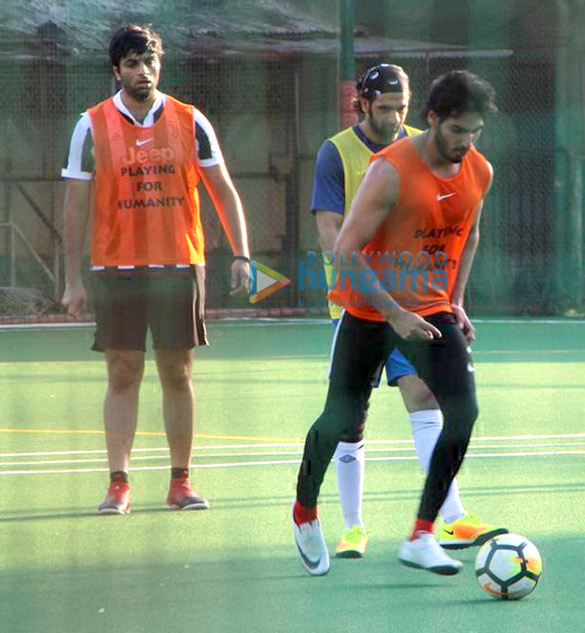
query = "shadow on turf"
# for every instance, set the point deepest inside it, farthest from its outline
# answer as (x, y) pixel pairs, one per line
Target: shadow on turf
(48, 516)
(44, 517)
(389, 496)
(231, 503)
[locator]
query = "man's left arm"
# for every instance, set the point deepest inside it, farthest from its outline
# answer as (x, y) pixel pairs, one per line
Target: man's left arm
(227, 203)
(465, 264)
(458, 294)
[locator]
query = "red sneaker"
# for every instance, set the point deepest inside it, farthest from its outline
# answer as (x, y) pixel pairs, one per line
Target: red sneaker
(117, 499)
(182, 497)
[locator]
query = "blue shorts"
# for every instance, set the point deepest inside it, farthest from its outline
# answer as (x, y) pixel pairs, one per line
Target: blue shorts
(397, 365)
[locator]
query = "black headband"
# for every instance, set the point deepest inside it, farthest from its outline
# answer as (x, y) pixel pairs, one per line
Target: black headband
(380, 79)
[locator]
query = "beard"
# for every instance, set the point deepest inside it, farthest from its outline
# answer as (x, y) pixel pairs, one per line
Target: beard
(455, 155)
(386, 132)
(140, 93)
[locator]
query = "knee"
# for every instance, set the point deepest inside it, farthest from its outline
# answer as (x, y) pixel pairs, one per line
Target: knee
(176, 377)
(348, 419)
(470, 412)
(461, 421)
(416, 395)
(174, 369)
(124, 373)
(323, 435)
(353, 430)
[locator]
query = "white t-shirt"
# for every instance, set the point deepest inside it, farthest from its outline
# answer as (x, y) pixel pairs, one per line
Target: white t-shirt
(80, 162)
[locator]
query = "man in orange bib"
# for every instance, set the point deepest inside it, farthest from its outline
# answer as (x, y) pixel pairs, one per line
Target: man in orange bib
(402, 259)
(383, 96)
(134, 163)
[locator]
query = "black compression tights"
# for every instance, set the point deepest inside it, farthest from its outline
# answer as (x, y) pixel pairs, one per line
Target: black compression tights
(360, 348)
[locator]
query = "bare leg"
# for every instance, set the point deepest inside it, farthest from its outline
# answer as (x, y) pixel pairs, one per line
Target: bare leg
(415, 394)
(174, 368)
(125, 369)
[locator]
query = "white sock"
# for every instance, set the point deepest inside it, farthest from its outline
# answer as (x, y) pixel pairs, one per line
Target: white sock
(426, 428)
(349, 460)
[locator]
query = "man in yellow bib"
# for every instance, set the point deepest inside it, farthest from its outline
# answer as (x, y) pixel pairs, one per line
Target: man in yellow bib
(383, 96)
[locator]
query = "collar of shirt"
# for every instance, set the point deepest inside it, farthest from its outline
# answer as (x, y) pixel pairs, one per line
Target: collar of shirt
(159, 100)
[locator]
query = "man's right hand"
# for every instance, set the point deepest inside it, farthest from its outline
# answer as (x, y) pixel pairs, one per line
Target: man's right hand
(412, 327)
(74, 299)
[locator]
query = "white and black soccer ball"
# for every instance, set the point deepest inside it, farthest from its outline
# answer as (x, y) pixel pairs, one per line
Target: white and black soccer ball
(508, 567)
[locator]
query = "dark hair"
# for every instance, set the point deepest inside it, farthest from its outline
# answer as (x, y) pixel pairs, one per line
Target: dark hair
(457, 92)
(136, 38)
(379, 80)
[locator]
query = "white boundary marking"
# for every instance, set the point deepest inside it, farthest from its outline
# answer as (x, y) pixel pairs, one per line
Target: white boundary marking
(370, 449)
(267, 321)
(283, 461)
(489, 438)
(501, 445)
(296, 453)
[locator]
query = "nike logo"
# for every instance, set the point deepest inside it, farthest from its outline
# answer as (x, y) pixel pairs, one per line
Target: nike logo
(448, 531)
(148, 140)
(445, 195)
(311, 564)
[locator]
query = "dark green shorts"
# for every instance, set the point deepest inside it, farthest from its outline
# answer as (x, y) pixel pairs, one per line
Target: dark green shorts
(170, 303)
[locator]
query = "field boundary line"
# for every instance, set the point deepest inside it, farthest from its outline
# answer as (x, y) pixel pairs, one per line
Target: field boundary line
(394, 458)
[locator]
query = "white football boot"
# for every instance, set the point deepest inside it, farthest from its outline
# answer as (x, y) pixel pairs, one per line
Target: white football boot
(424, 552)
(311, 547)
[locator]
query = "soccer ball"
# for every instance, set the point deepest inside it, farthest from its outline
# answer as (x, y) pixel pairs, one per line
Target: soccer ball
(508, 567)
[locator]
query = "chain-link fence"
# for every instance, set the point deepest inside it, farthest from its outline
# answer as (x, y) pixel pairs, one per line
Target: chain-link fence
(271, 115)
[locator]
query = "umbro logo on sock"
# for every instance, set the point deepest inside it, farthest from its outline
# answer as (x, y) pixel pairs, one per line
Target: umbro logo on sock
(347, 459)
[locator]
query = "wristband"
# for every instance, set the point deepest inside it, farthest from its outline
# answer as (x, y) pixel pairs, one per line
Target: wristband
(243, 258)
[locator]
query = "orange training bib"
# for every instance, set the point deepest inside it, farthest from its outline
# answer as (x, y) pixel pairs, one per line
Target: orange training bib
(416, 251)
(146, 204)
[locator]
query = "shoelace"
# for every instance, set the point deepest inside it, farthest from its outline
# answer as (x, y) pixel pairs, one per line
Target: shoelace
(472, 518)
(354, 534)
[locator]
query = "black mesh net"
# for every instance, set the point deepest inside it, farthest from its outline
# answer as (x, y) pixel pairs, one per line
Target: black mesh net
(271, 113)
